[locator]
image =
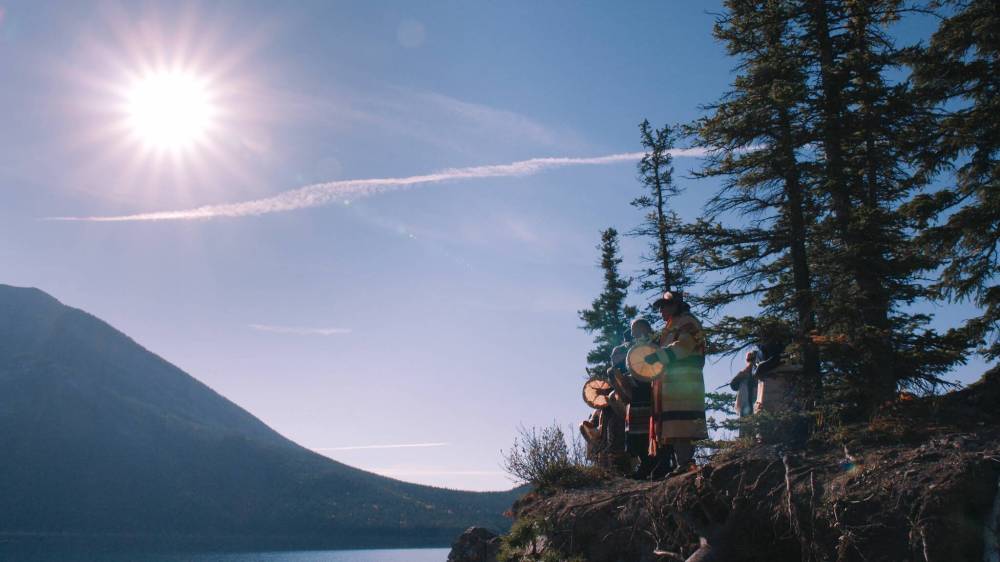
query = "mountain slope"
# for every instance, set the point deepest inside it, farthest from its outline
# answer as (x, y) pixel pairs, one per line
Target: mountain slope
(100, 436)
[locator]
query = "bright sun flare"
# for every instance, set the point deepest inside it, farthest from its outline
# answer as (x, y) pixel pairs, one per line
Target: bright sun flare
(170, 110)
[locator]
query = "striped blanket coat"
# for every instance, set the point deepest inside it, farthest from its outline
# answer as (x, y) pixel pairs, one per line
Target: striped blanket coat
(679, 393)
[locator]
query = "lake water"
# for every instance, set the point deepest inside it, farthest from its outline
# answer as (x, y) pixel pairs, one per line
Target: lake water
(9, 553)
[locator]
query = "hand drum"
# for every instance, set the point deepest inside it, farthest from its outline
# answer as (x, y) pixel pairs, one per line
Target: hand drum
(595, 393)
(637, 365)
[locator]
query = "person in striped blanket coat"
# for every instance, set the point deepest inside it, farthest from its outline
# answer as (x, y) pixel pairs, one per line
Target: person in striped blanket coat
(679, 393)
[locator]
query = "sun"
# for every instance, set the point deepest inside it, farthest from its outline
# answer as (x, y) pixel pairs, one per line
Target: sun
(170, 110)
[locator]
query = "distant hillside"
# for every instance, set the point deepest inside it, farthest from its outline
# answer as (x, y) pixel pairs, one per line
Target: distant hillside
(99, 436)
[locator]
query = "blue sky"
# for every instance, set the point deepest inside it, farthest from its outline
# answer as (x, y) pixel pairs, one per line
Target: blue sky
(441, 315)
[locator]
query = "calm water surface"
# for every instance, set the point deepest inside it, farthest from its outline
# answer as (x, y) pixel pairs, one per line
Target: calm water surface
(22, 554)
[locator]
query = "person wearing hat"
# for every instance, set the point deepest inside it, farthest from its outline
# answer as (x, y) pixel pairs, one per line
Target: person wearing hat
(679, 393)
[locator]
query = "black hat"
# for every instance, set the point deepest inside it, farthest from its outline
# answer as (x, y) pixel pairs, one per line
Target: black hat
(667, 298)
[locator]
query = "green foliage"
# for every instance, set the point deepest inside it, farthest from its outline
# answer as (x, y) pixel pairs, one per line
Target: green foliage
(874, 269)
(957, 77)
(525, 543)
(725, 404)
(789, 426)
(608, 316)
(756, 238)
(665, 265)
(521, 540)
(821, 196)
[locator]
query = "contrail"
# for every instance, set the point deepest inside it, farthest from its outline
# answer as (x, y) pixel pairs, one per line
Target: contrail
(299, 331)
(319, 194)
(400, 446)
(431, 472)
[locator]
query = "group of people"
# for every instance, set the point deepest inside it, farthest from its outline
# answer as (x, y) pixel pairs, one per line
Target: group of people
(649, 422)
(652, 405)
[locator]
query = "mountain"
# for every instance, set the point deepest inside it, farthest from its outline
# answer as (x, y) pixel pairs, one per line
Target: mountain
(100, 437)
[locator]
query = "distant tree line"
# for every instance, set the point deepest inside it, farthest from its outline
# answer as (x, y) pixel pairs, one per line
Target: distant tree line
(859, 187)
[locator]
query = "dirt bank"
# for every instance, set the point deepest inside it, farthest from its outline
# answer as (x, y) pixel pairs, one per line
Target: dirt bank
(918, 483)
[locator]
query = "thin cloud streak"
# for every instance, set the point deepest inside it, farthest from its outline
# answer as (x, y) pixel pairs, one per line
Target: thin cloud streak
(397, 446)
(407, 472)
(299, 331)
(347, 190)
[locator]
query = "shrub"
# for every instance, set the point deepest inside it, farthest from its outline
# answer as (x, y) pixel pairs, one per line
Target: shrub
(545, 459)
(526, 542)
(788, 427)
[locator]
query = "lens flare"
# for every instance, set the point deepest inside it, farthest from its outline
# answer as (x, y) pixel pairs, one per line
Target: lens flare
(170, 110)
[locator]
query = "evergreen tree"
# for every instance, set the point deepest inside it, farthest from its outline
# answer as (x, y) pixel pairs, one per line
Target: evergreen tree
(608, 316)
(872, 270)
(754, 134)
(958, 77)
(811, 145)
(664, 265)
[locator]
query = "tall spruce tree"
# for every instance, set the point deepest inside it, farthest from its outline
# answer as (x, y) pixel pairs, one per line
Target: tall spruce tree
(608, 316)
(871, 269)
(958, 76)
(851, 53)
(755, 134)
(811, 145)
(664, 266)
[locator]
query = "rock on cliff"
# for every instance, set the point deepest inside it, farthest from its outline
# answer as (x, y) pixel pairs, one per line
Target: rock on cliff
(476, 544)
